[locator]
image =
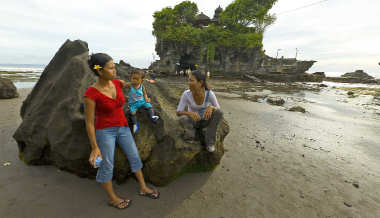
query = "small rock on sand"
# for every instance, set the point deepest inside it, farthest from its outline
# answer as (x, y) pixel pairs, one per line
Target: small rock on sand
(297, 108)
(276, 101)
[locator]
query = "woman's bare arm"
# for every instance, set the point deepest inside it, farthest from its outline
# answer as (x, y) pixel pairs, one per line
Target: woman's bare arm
(125, 84)
(89, 110)
(192, 115)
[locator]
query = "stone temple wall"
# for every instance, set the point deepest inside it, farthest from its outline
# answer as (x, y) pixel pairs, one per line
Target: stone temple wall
(227, 62)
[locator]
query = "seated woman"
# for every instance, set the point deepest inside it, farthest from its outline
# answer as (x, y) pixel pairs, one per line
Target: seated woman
(203, 109)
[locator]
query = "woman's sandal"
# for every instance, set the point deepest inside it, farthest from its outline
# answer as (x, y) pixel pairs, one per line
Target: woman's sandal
(153, 195)
(119, 205)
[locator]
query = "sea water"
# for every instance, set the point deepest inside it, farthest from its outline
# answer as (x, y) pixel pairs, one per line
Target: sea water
(22, 75)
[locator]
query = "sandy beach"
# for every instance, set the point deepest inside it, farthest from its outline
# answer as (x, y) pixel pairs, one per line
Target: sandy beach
(322, 163)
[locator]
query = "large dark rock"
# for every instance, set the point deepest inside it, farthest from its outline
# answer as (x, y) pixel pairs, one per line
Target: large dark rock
(7, 89)
(359, 76)
(53, 127)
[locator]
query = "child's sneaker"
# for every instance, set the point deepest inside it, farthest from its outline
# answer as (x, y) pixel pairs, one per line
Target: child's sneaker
(155, 118)
(135, 128)
(211, 148)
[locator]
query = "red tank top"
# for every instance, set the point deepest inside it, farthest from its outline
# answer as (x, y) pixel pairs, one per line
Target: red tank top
(108, 111)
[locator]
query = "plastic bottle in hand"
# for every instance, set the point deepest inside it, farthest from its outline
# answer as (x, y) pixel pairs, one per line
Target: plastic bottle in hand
(98, 160)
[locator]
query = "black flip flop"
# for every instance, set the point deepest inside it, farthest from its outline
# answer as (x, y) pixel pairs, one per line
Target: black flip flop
(151, 195)
(128, 202)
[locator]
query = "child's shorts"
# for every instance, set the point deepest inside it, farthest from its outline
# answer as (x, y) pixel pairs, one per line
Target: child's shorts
(139, 104)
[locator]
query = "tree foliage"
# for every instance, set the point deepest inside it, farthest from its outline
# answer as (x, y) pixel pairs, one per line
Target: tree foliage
(242, 25)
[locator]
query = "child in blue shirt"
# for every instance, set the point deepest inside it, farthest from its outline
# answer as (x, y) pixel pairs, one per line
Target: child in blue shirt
(137, 98)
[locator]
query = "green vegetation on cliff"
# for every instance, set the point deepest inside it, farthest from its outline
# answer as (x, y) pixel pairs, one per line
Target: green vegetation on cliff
(241, 25)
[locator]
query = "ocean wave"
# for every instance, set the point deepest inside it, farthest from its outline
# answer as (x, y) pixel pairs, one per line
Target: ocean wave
(22, 69)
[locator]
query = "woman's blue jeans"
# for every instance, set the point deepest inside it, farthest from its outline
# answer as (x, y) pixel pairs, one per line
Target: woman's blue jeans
(106, 139)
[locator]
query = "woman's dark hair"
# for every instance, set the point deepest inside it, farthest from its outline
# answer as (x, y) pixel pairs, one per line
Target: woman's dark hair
(98, 59)
(201, 76)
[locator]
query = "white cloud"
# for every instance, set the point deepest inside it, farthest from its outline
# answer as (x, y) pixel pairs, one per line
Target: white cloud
(340, 34)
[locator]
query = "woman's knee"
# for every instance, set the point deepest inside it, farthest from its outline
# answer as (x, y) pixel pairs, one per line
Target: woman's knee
(183, 119)
(217, 113)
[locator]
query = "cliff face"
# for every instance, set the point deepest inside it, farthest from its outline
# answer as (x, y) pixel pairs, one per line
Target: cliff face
(229, 62)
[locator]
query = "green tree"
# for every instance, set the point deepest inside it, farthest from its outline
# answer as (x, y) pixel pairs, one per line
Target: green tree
(186, 12)
(243, 24)
(241, 14)
(163, 21)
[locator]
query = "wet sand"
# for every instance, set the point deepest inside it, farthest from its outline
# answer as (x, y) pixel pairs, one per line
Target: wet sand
(323, 163)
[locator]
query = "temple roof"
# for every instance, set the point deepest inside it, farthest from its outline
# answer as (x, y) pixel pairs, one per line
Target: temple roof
(219, 9)
(202, 17)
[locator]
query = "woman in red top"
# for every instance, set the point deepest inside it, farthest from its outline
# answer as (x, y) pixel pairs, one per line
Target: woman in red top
(105, 100)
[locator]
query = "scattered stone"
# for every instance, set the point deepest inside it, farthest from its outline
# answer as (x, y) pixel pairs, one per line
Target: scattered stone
(276, 101)
(347, 204)
(323, 85)
(350, 93)
(297, 109)
(7, 89)
(355, 184)
(321, 74)
(252, 78)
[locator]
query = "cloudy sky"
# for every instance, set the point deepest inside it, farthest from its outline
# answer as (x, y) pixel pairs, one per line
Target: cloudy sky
(342, 35)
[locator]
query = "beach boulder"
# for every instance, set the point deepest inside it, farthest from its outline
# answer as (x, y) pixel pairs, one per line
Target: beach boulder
(7, 89)
(276, 101)
(53, 126)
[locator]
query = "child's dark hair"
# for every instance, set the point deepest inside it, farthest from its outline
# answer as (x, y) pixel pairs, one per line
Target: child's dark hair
(138, 72)
(98, 59)
(201, 76)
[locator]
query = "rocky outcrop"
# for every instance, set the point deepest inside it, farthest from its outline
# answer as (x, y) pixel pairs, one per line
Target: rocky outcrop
(321, 74)
(227, 62)
(230, 62)
(7, 89)
(359, 76)
(124, 68)
(53, 127)
(286, 70)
